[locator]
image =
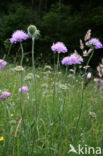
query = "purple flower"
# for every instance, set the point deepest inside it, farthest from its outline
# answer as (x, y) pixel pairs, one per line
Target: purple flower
(59, 47)
(2, 63)
(18, 36)
(4, 95)
(24, 89)
(95, 42)
(72, 59)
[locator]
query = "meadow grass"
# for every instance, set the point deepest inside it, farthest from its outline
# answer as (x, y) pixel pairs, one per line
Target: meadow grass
(57, 114)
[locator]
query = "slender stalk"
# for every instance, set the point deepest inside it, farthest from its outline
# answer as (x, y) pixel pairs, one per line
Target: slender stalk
(22, 54)
(21, 96)
(62, 124)
(54, 60)
(22, 114)
(34, 81)
(81, 107)
(90, 58)
(58, 63)
(66, 71)
(34, 78)
(9, 50)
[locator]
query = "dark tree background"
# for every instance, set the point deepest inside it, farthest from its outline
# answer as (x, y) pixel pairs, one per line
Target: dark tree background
(57, 20)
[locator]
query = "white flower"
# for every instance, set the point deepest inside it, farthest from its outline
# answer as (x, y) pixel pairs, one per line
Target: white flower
(89, 75)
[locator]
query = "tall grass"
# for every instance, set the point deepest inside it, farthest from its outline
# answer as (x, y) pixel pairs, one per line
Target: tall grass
(54, 132)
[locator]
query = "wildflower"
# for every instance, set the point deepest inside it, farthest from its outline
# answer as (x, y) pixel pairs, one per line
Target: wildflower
(24, 89)
(29, 77)
(33, 31)
(11, 115)
(92, 114)
(18, 36)
(1, 138)
(59, 47)
(72, 59)
(89, 75)
(4, 95)
(2, 63)
(19, 68)
(88, 35)
(95, 42)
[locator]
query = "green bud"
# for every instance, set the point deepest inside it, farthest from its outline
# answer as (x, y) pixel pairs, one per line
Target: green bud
(33, 31)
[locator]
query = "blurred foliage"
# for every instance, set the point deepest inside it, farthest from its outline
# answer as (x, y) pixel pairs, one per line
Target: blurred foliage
(66, 22)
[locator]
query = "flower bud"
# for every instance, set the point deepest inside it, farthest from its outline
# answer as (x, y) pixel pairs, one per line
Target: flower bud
(33, 32)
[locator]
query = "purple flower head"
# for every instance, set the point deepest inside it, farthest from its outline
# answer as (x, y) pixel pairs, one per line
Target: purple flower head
(2, 63)
(24, 89)
(18, 36)
(72, 59)
(95, 42)
(59, 47)
(4, 95)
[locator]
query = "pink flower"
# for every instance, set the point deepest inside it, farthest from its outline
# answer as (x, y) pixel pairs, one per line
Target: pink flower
(59, 47)
(2, 63)
(24, 89)
(18, 36)
(95, 42)
(5, 95)
(72, 59)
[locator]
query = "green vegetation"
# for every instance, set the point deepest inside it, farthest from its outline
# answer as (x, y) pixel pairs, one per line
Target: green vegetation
(57, 114)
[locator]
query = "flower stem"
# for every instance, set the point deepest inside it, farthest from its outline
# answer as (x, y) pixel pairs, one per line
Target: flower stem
(90, 58)
(81, 107)
(58, 63)
(34, 78)
(34, 82)
(22, 54)
(22, 113)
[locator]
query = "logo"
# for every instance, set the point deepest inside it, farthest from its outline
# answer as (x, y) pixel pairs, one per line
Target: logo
(85, 150)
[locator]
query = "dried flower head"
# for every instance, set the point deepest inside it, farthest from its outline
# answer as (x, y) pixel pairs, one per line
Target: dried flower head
(47, 67)
(100, 70)
(59, 47)
(81, 44)
(72, 70)
(86, 67)
(29, 77)
(4, 95)
(92, 114)
(86, 53)
(18, 36)
(88, 35)
(19, 69)
(2, 63)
